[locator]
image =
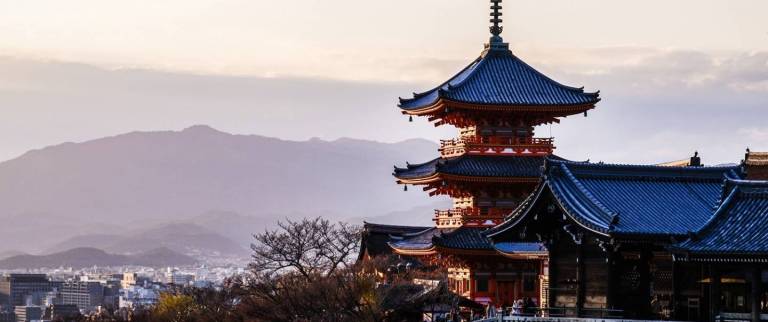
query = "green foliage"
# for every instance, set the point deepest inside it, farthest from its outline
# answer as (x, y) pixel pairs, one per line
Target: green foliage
(175, 308)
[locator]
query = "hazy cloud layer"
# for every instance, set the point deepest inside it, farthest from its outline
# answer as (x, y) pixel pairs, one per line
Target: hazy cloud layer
(668, 104)
(335, 38)
(657, 104)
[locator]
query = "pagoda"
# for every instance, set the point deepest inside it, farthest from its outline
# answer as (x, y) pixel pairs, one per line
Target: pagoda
(489, 169)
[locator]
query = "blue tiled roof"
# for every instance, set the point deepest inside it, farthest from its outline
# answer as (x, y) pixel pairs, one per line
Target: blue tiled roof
(476, 166)
(631, 199)
(417, 241)
(394, 230)
(464, 238)
(376, 237)
(740, 225)
(624, 199)
(521, 248)
(498, 77)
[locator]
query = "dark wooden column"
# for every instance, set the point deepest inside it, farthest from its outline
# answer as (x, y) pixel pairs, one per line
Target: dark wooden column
(757, 290)
(493, 288)
(644, 305)
(581, 279)
(714, 291)
(553, 284)
(676, 284)
(610, 287)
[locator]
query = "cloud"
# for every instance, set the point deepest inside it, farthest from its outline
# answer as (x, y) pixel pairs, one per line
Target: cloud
(658, 104)
(670, 103)
(755, 134)
(646, 69)
(625, 69)
(45, 103)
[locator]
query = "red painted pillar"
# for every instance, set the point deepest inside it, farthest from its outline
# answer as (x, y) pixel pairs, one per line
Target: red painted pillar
(472, 286)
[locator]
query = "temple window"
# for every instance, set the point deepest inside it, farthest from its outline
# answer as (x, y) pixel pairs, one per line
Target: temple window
(482, 284)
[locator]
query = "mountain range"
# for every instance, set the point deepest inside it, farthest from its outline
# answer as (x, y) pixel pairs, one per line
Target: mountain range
(87, 257)
(184, 238)
(195, 190)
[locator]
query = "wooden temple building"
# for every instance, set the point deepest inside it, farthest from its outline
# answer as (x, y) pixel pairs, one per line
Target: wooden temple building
(678, 241)
(649, 242)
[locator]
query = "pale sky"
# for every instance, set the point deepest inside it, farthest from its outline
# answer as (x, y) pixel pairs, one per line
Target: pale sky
(356, 40)
(693, 74)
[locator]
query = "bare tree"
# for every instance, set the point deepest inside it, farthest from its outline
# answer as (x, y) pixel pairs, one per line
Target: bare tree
(346, 295)
(309, 247)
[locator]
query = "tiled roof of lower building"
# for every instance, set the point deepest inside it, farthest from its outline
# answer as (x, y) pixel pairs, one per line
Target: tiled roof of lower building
(631, 199)
(739, 227)
(420, 241)
(464, 238)
(392, 229)
(521, 248)
(376, 237)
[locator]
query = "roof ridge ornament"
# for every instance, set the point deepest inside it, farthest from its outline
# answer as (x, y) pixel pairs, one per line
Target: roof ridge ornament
(496, 28)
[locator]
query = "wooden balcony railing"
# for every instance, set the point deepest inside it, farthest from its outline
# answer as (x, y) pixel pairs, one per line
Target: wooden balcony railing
(496, 145)
(469, 217)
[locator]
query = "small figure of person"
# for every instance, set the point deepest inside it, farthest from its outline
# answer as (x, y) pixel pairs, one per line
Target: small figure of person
(517, 307)
(530, 305)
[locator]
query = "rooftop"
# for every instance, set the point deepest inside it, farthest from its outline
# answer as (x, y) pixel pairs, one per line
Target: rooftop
(475, 166)
(464, 238)
(522, 250)
(452, 239)
(499, 78)
(630, 199)
(739, 227)
(420, 242)
(376, 237)
(756, 159)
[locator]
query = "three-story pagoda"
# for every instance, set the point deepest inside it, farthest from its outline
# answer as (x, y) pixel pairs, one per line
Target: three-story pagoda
(494, 164)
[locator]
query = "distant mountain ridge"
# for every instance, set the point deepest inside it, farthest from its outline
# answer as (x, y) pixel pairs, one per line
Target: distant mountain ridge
(119, 184)
(184, 238)
(88, 257)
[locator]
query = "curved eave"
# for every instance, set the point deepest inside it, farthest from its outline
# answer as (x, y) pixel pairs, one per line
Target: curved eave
(414, 252)
(562, 203)
(467, 252)
(518, 214)
(711, 226)
(719, 257)
(442, 103)
(576, 218)
(419, 180)
(523, 255)
(438, 177)
(514, 221)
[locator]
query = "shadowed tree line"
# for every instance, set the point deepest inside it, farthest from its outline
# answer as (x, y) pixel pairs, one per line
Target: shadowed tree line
(304, 271)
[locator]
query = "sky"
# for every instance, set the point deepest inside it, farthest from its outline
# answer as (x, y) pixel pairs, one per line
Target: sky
(675, 76)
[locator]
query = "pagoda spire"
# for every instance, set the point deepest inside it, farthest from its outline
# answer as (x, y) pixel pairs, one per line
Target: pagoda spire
(496, 21)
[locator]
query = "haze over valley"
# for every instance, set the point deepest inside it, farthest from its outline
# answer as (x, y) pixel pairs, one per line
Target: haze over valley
(196, 192)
